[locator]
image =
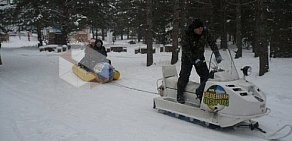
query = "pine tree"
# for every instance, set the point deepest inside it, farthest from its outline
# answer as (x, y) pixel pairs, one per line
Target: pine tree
(32, 13)
(280, 25)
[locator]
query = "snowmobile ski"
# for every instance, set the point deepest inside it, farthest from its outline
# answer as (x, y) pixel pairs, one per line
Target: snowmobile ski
(280, 133)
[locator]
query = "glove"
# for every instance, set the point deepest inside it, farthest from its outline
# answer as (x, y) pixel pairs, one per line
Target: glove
(218, 57)
(198, 62)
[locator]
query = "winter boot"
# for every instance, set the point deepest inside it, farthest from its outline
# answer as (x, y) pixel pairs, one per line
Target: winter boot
(180, 98)
(199, 94)
(199, 97)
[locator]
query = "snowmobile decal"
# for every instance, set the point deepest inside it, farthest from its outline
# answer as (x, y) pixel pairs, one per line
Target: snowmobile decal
(214, 96)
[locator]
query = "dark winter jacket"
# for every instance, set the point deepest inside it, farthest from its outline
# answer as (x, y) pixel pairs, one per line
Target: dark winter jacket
(97, 54)
(94, 50)
(193, 45)
(93, 56)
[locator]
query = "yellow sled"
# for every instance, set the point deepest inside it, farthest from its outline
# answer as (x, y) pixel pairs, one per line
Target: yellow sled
(116, 75)
(83, 74)
(90, 76)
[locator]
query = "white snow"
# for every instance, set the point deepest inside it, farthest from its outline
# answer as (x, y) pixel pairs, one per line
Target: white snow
(40, 101)
(20, 40)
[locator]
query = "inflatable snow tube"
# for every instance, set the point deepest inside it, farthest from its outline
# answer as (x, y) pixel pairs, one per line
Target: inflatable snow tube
(104, 71)
(83, 74)
(116, 75)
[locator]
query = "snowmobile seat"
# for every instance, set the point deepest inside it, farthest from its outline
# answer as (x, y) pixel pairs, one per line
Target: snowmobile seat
(169, 71)
(170, 78)
(171, 82)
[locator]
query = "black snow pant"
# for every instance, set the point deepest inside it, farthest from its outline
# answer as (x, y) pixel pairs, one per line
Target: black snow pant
(186, 68)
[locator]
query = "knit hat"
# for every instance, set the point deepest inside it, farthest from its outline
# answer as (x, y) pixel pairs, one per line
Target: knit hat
(98, 40)
(197, 23)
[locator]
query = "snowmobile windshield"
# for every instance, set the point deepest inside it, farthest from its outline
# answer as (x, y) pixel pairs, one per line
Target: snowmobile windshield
(226, 70)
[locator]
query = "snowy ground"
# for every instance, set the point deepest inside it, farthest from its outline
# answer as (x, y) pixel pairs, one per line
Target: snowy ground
(20, 41)
(37, 103)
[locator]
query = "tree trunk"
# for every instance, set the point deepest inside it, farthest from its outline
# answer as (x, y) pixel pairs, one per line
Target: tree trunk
(139, 35)
(128, 33)
(122, 36)
(64, 38)
(149, 34)
(257, 32)
(281, 32)
(92, 32)
(65, 26)
(175, 32)
(238, 31)
(102, 34)
(224, 32)
(39, 33)
(263, 44)
(0, 53)
(184, 13)
(39, 28)
(96, 33)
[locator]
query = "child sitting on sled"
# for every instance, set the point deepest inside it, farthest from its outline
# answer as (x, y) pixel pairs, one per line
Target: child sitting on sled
(94, 53)
(95, 61)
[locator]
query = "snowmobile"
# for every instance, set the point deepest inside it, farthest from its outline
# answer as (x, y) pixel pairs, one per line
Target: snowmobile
(227, 101)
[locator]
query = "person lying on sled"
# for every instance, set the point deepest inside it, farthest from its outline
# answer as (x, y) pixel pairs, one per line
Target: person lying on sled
(94, 53)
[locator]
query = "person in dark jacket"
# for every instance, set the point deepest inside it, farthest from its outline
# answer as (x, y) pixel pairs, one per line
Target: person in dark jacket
(94, 53)
(193, 48)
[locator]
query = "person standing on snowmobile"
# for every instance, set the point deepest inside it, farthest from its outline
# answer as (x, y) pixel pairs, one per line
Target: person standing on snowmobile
(94, 53)
(193, 44)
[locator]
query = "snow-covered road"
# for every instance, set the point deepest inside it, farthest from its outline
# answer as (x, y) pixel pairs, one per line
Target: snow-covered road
(36, 104)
